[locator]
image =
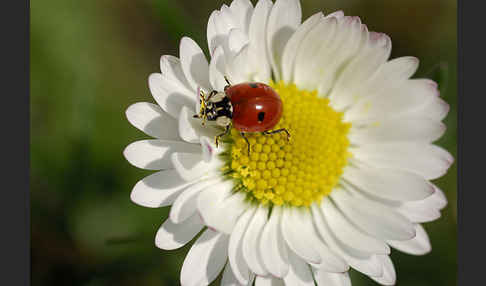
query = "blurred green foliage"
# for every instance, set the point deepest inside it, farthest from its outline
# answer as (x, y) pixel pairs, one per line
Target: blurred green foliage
(90, 60)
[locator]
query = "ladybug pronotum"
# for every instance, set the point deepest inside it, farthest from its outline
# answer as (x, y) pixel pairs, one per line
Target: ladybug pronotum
(249, 107)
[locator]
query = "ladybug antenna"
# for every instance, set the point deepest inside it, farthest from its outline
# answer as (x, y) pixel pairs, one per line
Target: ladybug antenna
(228, 83)
(227, 80)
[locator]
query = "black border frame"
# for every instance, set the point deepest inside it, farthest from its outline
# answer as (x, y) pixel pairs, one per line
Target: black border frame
(470, 88)
(15, 210)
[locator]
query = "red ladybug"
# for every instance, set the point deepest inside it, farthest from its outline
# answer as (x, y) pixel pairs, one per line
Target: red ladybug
(249, 107)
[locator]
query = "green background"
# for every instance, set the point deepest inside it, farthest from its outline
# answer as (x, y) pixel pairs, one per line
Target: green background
(91, 59)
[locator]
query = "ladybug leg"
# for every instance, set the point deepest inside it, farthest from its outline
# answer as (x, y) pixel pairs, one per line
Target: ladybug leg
(278, 131)
(218, 137)
(247, 142)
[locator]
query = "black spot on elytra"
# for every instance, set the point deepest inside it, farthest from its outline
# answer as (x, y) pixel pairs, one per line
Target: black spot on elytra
(261, 116)
(253, 85)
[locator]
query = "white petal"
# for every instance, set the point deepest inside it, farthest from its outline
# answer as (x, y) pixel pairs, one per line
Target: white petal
(205, 259)
(427, 160)
(251, 241)
(168, 96)
(268, 281)
(159, 189)
(324, 31)
(299, 272)
(209, 200)
(373, 53)
(366, 264)
(155, 154)
(172, 236)
(220, 208)
(424, 210)
(419, 245)
(242, 9)
(298, 236)
(293, 44)
(301, 237)
(378, 93)
(186, 204)
(421, 211)
(208, 149)
(219, 25)
(374, 218)
(235, 248)
(395, 100)
(272, 246)
(236, 41)
(226, 21)
(238, 68)
(258, 60)
(217, 68)
(194, 64)
(407, 99)
(152, 120)
(214, 35)
(395, 185)
(329, 54)
(324, 278)
(334, 58)
(402, 129)
(435, 109)
(393, 73)
(338, 14)
(229, 278)
(284, 19)
(224, 216)
(192, 166)
(191, 129)
(418, 211)
(355, 193)
(348, 234)
(438, 198)
(198, 100)
(171, 68)
(389, 276)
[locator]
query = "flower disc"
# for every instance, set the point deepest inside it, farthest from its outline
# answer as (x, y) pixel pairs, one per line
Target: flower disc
(295, 172)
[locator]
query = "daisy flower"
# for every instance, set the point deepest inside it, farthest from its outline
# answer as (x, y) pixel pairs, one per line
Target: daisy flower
(353, 181)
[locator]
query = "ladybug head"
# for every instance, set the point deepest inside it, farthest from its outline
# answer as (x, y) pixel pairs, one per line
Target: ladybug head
(214, 107)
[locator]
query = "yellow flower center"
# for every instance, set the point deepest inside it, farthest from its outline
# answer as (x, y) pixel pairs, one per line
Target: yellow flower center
(296, 172)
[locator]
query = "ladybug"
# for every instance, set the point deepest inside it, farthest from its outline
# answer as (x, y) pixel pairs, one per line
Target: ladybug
(249, 107)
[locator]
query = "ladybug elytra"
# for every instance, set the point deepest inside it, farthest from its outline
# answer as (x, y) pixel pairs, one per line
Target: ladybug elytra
(249, 107)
